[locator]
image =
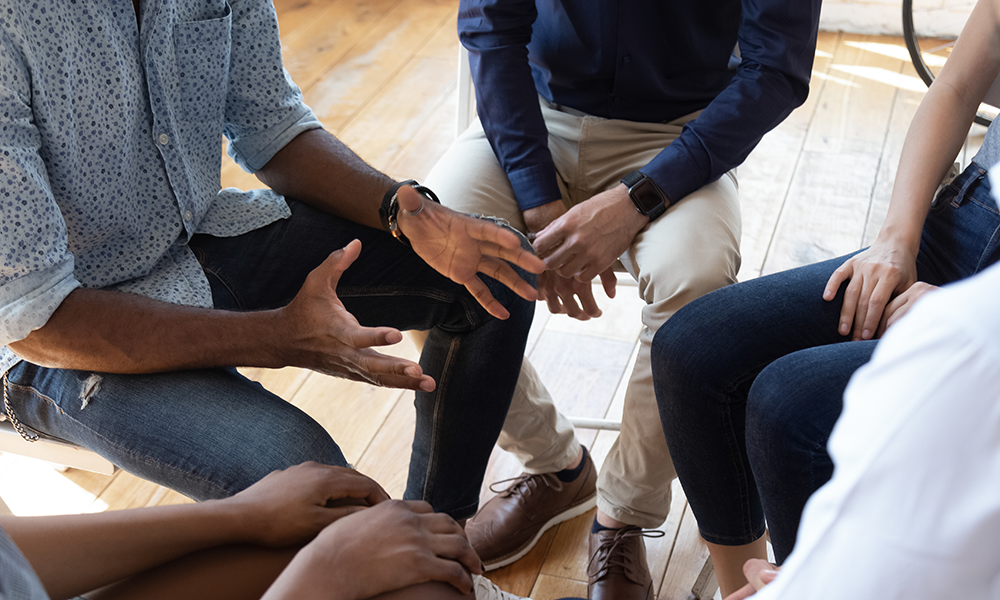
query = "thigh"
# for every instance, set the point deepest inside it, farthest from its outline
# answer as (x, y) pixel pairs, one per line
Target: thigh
(207, 433)
(692, 249)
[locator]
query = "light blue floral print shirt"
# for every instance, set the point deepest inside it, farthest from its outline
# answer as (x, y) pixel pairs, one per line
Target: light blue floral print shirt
(111, 145)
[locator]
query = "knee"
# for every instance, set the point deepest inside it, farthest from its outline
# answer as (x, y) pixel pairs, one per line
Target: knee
(691, 346)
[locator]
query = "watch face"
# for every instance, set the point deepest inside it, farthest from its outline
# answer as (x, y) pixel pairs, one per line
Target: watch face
(646, 195)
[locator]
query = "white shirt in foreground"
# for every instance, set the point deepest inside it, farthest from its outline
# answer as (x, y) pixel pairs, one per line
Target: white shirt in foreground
(913, 509)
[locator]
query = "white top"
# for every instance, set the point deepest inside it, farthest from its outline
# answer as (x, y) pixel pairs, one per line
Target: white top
(913, 509)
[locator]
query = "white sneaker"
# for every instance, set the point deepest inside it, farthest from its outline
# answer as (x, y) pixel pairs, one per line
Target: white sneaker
(487, 590)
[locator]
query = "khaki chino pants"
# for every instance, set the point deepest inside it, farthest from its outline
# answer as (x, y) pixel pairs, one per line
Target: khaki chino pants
(689, 251)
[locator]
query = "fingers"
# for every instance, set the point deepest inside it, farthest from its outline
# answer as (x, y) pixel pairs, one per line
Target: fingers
(360, 336)
(842, 274)
(380, 369)
(547, 292)
(759, 572)
(505, 274)
(861, 296)
(342, 486)
(517, 256)
(609, 280)
(338, 262)
(902, 304)
(483, 296)
(585, 291)
(847, 310)
(409, 199)
(876, 306)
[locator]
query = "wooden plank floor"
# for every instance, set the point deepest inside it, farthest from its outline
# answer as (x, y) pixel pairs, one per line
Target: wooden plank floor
(381, 76)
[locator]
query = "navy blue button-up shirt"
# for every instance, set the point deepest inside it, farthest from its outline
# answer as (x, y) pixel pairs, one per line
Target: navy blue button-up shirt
(640, 60)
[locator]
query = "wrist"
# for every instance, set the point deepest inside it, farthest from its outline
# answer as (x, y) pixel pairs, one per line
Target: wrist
(624, 205)
(538, 217)
(898, 241)
(275, 341)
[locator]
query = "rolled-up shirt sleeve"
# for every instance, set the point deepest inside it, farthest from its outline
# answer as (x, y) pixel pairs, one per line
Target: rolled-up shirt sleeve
(36, 267)
(264, 108)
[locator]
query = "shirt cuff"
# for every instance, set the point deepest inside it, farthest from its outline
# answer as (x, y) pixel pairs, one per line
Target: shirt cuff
(254, 152)
(535, 185)
(27, 303)
(677, 172)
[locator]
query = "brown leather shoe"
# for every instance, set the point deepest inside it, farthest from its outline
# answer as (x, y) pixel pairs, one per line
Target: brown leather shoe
(508, 526)
(617, 569)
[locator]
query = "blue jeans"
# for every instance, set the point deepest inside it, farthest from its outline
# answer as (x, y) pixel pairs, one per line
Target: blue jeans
(749, 379)
(211, 433)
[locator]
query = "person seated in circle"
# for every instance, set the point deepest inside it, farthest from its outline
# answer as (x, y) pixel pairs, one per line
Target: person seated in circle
(750, 378)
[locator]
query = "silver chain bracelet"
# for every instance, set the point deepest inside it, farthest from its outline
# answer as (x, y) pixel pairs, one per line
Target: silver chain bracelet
(12, 418)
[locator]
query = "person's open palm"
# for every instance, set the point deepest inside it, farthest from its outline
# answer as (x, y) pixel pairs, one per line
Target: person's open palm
(323, 336)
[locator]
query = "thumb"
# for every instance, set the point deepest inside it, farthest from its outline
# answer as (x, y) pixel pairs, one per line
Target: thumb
(338, 262)
(409, 199)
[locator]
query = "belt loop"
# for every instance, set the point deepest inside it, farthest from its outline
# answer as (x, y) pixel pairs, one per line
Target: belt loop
(968, 183)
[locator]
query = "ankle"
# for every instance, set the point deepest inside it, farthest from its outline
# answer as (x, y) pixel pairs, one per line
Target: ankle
(574, 470)
(607, 522)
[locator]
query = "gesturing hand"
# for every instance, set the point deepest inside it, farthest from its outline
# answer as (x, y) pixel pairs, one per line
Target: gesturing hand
(876, 275)
(393, 545)
(459, 247)
(323, 336)
(291, 506)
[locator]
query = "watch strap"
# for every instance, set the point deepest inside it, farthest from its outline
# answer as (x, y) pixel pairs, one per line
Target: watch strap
(388, 212)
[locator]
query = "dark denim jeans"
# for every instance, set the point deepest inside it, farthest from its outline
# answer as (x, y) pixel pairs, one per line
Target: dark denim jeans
(749, 379)
(211, 433)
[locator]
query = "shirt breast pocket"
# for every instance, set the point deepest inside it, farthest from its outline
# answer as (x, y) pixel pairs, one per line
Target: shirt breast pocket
(202, 54)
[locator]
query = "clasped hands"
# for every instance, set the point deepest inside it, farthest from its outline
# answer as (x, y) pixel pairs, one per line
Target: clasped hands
(394, 544)
(579, 244)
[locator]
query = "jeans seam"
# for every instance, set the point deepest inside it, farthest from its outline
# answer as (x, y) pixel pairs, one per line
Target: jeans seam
(226, 284)
(436, 418)
(737, 464)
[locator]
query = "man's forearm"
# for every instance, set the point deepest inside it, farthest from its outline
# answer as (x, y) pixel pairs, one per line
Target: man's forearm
(116, 332)
(105, 547)
(320, 170)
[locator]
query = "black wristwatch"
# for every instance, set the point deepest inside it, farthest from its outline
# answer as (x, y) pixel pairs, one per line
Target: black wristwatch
(390, 207)
(648, 198)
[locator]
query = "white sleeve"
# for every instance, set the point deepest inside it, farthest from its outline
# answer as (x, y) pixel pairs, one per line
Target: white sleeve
(913, 509)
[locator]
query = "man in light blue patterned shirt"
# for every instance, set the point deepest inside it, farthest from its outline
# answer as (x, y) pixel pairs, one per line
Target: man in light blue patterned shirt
(130, 284)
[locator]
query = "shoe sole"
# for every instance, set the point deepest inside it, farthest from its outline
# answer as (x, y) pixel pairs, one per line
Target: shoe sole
(566, 515)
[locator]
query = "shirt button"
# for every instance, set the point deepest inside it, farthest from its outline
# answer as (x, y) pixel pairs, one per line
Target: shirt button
(164, 139)
(188, 215)
(626, 58)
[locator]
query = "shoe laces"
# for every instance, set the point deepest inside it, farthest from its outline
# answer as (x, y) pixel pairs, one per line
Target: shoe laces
(523, 484)
(487, 590)
(610, 557)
